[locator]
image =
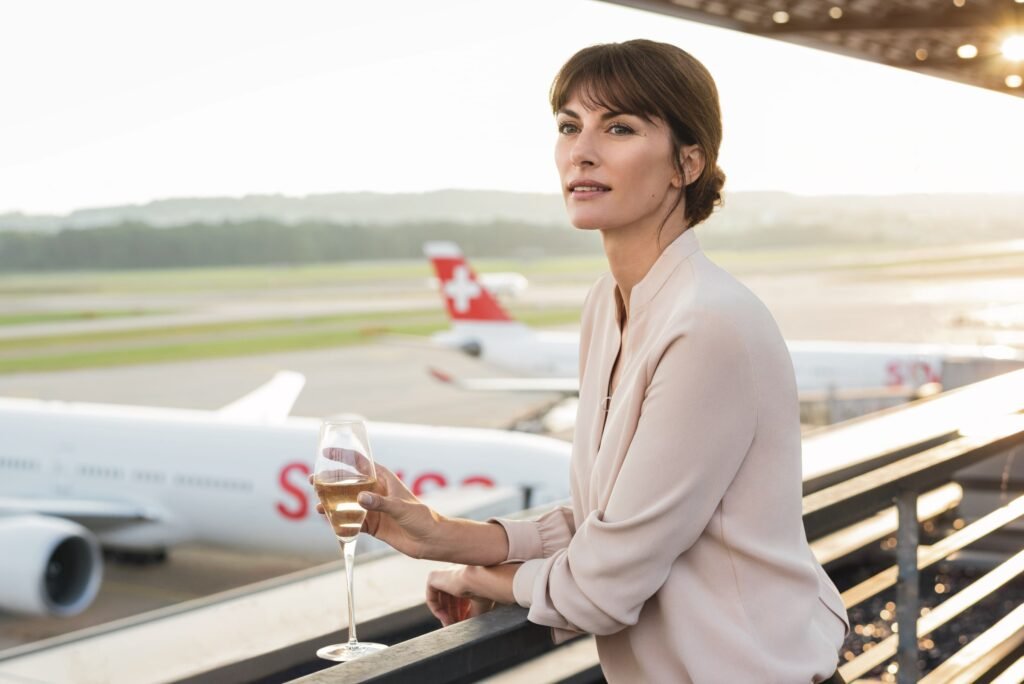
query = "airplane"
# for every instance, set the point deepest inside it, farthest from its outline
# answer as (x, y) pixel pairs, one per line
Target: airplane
(483, 329)
(78, 477)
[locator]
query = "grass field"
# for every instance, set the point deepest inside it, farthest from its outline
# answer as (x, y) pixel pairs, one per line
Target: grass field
(350, 273)
(181, 343)
(272, 277)
(237, 338)
(57, 316)
(178, 343)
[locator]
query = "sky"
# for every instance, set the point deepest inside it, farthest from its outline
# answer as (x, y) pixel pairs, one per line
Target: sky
(118, 101)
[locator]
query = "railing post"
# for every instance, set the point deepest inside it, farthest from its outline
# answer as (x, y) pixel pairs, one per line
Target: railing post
(907, 590)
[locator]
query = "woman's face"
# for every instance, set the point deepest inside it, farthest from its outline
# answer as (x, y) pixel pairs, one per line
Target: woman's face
(617, 169)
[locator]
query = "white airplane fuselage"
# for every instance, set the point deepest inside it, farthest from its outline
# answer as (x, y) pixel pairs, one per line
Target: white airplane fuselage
(819, 366)
(517, 348)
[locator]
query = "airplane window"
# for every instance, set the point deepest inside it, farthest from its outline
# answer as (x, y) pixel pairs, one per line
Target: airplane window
(198, 481)
(18, 463)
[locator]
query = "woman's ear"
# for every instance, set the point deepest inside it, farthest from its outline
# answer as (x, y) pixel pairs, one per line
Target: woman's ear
(691, 161)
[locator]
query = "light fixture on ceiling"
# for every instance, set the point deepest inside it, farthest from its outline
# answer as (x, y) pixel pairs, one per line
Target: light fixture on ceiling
(1014, 81)
(967, 51)
(920, 54)
(836, 12)
(780, 17)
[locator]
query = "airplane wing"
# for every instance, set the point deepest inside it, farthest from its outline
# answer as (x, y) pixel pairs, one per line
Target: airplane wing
(566, 386)
(270, 402)
(88, 512)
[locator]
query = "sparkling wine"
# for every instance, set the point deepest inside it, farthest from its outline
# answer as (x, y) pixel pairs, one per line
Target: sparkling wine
(338, 497)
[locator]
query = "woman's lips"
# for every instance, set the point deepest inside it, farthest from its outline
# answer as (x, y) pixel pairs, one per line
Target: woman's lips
(584, 194)
(582, 190)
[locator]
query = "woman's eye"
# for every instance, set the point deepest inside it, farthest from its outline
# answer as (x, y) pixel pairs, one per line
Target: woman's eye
(620, 129)
(566, 128)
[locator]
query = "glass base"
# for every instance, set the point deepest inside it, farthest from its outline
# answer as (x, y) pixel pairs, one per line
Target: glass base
(344, 652)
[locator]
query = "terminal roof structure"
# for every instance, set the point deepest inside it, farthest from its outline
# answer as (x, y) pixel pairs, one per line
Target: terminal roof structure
(979, 42)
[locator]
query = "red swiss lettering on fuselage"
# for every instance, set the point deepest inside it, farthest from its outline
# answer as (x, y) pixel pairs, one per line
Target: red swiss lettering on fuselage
(300, 506)
(294, 476)
(908, 373)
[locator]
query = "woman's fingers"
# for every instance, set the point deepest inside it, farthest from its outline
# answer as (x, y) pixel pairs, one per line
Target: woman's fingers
(479, 607)
(460, 608)
(319, 506)
(447, 608)
(437, 605)
(402, 511)
(445, 600)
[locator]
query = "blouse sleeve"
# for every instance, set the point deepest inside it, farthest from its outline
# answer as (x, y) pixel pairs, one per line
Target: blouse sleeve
(540, 538)
(696, 425)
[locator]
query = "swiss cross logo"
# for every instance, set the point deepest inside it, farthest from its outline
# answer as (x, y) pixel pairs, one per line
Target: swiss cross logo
(461, 289)
(464, 297)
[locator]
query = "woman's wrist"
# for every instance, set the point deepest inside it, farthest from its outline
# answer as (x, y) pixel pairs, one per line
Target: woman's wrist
(493, 583)
(456, 540)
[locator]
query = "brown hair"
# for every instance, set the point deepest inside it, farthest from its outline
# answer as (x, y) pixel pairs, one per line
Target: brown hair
(650, 79)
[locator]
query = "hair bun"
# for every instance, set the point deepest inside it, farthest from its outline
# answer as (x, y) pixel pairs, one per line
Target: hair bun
(704, 194)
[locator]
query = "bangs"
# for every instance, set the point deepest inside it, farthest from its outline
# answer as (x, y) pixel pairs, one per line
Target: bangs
(603, 77)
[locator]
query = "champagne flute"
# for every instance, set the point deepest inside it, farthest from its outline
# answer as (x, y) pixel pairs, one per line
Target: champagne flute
(344, 467)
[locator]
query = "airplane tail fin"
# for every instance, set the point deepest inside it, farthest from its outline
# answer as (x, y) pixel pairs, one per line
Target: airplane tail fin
(466, 299)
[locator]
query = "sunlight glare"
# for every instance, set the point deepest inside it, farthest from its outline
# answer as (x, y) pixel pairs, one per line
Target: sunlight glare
(1013, 48)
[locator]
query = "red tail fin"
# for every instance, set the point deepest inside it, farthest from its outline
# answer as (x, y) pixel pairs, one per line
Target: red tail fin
(466, 298)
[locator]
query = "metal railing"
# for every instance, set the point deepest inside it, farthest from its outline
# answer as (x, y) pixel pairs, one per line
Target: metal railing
(900, 474)
(473, 649)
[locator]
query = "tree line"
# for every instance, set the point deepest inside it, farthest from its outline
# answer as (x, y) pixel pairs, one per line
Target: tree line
(265, 242)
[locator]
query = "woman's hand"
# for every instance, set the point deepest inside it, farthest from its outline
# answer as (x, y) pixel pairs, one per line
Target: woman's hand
(396, 516)
(460, 592)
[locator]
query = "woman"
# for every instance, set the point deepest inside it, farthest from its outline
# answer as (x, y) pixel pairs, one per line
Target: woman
(684, 549)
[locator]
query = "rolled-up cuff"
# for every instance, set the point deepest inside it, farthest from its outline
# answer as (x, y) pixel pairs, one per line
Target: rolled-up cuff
(524, 580)
(560, 636)
(524, 542)
(540, 538)
(524, 584)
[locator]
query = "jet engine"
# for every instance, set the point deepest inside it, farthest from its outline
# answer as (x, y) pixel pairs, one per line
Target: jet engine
(52, 566)
(472, 348)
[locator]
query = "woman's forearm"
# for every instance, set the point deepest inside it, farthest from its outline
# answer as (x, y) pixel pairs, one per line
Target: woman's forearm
(456, 540)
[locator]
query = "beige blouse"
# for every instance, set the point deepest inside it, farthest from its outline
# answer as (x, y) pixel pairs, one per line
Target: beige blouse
(684, 550)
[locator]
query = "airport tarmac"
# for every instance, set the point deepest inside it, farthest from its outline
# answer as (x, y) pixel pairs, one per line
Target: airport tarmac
(190, 572)
(388, 381)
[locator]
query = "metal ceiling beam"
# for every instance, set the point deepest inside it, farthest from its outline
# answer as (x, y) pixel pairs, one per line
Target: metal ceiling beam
(886, 33)
(963, 18)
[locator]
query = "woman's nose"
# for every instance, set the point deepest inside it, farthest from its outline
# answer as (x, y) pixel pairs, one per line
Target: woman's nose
(584, 150)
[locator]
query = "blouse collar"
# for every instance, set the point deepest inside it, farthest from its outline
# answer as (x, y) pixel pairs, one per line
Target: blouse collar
(676, 253)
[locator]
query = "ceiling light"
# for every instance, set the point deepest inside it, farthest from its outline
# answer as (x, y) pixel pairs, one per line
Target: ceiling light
(1014, 81)
(780, 17)
(921, 54)
(959, 3)
(1013, 48)
(967, 51)
(837, 12)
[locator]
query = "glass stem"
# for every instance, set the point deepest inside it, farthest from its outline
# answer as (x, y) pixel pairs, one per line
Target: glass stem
(348, 551)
